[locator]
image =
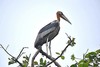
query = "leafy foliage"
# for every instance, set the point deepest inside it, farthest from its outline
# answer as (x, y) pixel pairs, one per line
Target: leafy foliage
(91, 59)
(73, 42)
(41, 64)
(62, 57)
(74, 65)
(72, 57)
(25, 61)
(11, 61)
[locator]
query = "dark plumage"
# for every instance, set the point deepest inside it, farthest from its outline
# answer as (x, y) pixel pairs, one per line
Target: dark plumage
(49, 31)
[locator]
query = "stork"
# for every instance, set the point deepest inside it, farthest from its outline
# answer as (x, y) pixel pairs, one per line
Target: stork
(48, 32)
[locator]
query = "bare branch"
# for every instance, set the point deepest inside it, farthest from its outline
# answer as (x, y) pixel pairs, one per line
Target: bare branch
(85, 53)
(45, 54)
(16, 60)
(6, 51)
(51, 58)
(33, 58)
(7, 47)
(68, 36)
(21, 52)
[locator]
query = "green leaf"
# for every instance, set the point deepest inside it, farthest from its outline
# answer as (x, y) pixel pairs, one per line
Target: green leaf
(73, 42)
(82, 63)
(41, 61)
(98, 57)
(26, 57)
(90, 54)
(62, 57)
(35, 63)
(72, 57)
(57, 53)
(45, 63)
(69, 41)
(73, 39)
(98, 51)
(9, 59)
(73, 65)
(11, 62)
(25, 61)
(24, 65)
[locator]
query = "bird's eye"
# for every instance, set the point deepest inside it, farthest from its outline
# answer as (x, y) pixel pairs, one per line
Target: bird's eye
(61, 13)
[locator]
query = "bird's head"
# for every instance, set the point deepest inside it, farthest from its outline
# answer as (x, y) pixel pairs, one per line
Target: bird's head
(60, 14)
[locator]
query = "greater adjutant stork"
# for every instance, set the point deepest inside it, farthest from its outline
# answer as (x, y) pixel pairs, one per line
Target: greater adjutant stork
(48, 32)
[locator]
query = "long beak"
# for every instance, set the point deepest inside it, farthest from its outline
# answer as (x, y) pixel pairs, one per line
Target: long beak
(65, 18)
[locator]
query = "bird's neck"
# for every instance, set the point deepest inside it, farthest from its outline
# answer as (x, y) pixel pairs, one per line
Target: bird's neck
(58, 17)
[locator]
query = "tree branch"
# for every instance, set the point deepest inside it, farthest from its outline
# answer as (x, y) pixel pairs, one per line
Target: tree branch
(45, 54)
(33, 58)
(62, 51)
(51, 58)
(21, 52)
(6, 51)
(59, 55)
(14, 58)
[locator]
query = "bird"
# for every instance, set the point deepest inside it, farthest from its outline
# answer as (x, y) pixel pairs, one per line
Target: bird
(49, 31)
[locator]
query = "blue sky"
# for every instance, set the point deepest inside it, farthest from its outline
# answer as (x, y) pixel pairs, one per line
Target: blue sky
(21, 20)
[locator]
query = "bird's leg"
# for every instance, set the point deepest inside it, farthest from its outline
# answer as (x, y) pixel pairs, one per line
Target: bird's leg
(50, 48)
(47, 45)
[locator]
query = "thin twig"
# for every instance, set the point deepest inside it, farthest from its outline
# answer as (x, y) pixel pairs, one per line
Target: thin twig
(6, 51)
(20, 54)
(28, 59)
(7, 47)
(68, 36)
(16, 60)
(29, 56)
(85, 53)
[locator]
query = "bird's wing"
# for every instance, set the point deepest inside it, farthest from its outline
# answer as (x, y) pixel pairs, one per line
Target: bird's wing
(48, 29)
